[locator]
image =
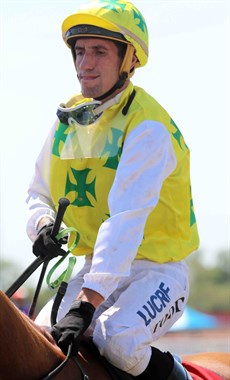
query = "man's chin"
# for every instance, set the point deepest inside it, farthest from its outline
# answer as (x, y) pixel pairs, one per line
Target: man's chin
(90, 93)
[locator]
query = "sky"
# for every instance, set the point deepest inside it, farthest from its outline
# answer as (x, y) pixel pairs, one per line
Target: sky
(187, 72)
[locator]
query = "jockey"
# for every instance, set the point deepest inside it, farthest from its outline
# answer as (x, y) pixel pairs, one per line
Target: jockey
(123, 164)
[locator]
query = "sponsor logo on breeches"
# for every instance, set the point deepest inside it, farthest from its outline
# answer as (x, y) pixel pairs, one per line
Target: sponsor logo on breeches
(155, 305)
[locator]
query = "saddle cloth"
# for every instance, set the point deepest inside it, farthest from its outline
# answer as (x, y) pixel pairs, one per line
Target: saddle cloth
(200, 373)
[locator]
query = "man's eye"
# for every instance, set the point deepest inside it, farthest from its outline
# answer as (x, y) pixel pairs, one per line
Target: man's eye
(101, 52)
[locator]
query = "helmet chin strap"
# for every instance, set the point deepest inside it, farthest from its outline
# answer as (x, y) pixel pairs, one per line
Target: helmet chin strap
(119, 84)
(125, 72)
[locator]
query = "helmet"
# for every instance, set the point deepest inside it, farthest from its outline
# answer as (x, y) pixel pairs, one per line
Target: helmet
(117, 20)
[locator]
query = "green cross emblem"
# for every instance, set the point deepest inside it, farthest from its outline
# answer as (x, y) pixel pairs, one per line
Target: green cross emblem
(80, 187)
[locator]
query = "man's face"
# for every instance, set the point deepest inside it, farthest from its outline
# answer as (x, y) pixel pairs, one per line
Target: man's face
(97, 64)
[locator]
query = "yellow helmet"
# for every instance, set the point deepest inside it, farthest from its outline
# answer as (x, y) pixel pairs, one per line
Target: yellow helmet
(117, 20)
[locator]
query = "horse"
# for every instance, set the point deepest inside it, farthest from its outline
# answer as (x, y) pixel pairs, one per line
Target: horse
(28, 352)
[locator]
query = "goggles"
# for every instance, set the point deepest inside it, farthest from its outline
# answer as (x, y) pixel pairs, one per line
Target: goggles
(83, 115)
(85, 138)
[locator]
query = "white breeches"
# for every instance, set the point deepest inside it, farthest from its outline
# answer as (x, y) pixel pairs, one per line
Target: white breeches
(141, 310)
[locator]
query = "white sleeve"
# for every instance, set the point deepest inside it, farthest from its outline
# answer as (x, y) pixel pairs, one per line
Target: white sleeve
(147, 159)
(39, 199)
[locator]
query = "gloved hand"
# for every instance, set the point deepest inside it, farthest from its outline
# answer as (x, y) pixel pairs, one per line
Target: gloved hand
(45, 246)
(71, 328)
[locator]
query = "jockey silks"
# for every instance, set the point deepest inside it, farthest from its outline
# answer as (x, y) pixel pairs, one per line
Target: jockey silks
(168, 230)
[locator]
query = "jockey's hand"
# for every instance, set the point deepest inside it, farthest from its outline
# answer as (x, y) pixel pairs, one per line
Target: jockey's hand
(71, 328)
(46, 246)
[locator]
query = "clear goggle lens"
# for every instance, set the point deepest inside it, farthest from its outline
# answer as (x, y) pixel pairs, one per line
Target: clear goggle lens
(83, 114)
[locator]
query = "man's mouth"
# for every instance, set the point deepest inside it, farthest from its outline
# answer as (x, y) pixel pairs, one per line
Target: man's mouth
(84, 78)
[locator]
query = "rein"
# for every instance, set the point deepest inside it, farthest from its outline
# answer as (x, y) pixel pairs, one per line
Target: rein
(57, 370)
(62, 283)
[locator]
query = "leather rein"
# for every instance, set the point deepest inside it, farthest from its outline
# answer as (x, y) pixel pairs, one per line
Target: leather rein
(61, 366)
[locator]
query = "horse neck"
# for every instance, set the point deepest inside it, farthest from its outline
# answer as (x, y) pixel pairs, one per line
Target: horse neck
(25, 353)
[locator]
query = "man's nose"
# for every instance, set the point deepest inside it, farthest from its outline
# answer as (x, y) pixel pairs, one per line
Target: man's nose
(88, 61)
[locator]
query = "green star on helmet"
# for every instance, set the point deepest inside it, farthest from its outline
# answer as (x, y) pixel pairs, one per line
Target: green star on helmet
(141, 24)
(114, 5)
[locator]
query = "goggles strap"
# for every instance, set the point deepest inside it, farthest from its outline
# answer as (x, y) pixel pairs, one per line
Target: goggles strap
(107, 104)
